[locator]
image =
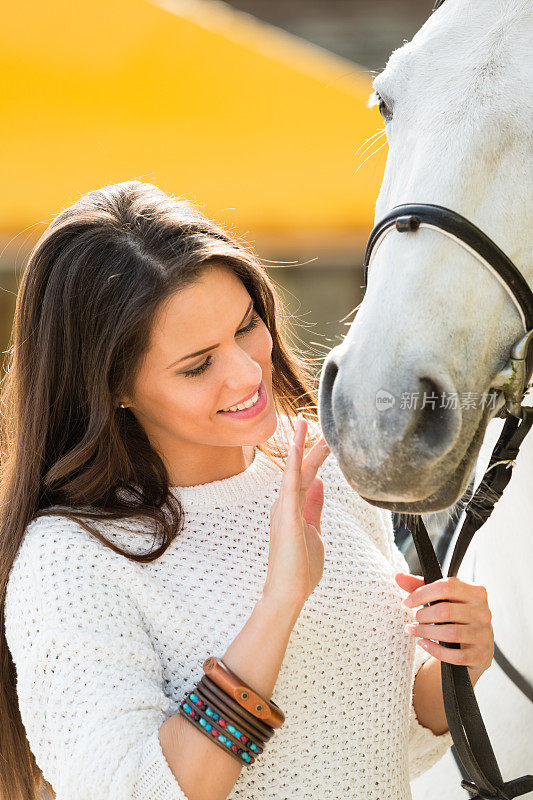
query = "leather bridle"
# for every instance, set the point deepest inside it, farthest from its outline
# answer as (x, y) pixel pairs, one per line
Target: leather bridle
(465, 723)
(410, 217)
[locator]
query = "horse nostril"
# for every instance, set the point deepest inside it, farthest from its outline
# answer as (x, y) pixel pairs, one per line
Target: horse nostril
(329, 373)
(434, 423)
(325, 400)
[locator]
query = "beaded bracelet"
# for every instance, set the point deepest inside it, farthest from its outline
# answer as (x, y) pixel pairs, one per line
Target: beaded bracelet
(221, 708)
(225, 722)
(211, 722)
(230, 712)
(244, 736)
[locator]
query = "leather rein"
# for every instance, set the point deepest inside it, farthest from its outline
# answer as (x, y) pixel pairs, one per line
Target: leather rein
(465, 722)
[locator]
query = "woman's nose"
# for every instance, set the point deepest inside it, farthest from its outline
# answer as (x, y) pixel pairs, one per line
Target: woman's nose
(244, 373)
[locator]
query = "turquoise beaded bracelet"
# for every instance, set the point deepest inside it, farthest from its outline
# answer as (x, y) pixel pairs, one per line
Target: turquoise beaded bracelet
(208, 714)
(208, 719)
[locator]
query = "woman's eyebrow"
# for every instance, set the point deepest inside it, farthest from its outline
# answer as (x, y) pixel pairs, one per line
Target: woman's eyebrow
(206, 349)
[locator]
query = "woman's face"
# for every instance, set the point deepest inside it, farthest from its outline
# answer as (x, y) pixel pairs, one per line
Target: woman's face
(178, 397)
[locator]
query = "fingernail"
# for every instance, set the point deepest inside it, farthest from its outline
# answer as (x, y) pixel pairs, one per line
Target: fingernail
(407, 602)
(410, 628)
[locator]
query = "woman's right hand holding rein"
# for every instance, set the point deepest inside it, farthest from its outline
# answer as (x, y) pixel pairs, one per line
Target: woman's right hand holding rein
(296, 552)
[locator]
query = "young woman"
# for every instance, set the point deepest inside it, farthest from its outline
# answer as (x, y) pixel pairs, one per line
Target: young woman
(152, 519)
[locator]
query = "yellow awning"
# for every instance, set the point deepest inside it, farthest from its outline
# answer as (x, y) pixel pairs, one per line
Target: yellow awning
(258, 126)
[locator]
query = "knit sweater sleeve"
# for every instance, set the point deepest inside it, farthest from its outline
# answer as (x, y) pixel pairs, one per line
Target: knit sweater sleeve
(425, 747)
(89, 682)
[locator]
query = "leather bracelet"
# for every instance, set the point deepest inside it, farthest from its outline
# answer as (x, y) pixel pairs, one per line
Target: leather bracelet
(213, 725)
(265, 710)
(243, 725)
(265, 731)
(243, 738)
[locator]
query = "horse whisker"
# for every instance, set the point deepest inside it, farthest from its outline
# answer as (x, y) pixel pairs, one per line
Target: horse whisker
(369, 143)
(353, 311)
(377, 132)
(370, 156)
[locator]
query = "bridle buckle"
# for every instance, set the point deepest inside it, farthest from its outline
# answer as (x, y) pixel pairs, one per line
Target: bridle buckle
(407, 223)
(512, 379)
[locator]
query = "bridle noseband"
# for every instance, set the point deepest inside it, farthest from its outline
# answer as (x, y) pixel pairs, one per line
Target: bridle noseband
(470, 738)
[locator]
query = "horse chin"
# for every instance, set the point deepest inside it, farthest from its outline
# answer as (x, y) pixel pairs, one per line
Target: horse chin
(444, 498)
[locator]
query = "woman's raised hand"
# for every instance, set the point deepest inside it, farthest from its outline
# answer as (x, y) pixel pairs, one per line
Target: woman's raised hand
(296, 552)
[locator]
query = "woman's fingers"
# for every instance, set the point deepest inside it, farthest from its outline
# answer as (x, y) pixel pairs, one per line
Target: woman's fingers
(292, 474)
(300, 431)
(408, 582)
(454, 655)
(452, 612)
(467, 634)
(300, 472)
(443, 589)
(314, 501)
(313, 460)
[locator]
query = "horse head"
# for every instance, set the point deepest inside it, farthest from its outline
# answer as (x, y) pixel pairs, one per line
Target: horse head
(405, 399)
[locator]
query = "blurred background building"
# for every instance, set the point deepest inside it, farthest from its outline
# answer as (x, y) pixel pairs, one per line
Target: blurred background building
(254, 110)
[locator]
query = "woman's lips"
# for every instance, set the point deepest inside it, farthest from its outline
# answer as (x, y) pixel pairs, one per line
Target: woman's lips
(244, 399)
(254, 410)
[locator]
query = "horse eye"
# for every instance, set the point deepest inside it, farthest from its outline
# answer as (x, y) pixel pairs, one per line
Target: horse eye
(384, 110)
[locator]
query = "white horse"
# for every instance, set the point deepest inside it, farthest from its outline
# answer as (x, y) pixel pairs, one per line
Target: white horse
(458, 108)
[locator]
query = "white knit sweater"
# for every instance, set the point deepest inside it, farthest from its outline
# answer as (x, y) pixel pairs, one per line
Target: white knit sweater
(105, 648)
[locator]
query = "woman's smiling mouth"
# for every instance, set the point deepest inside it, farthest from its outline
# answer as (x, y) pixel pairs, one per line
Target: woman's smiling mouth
(249, 407)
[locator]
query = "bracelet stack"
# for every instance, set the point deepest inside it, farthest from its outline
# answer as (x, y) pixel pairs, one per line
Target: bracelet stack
(232, 714)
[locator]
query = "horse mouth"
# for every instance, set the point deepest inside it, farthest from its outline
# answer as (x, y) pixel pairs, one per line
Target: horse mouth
(451, 489)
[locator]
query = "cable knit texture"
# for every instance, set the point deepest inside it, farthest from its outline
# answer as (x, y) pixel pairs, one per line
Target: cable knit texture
(105, 648)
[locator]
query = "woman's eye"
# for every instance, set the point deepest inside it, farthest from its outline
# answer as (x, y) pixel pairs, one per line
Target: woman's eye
(198, 370)
(254, 322)
(384, 109)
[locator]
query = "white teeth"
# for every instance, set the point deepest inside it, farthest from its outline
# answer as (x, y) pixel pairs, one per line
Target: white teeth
(248, 404)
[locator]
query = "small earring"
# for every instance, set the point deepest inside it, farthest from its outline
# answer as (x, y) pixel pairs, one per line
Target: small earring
(122, 405)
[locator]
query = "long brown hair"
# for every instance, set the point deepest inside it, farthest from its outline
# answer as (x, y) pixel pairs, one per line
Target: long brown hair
(83, 316)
